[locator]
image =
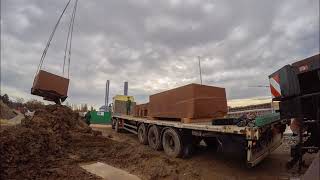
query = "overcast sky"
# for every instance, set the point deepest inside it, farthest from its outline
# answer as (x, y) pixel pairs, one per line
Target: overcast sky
(154, 44)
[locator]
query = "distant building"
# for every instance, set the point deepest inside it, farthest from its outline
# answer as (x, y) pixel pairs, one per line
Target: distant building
(103, 108)
(257, 110)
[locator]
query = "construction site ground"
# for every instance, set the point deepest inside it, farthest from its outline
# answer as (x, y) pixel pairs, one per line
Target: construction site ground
(56, 142)
(204, 164)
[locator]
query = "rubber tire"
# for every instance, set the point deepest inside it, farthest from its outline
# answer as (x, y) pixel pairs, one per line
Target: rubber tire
(177, 150)
(113, 122)
(154, 139)
(142, 134)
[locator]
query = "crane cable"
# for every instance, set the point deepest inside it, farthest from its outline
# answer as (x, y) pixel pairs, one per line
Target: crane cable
(52, 34)
(74, 14)
(69, 42)
(50, 38)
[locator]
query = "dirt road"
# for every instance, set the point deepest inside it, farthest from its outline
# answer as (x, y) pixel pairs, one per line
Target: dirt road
(203, 165)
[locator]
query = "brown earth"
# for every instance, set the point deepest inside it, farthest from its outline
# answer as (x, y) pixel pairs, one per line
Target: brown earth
(38, 147)
(55, 141)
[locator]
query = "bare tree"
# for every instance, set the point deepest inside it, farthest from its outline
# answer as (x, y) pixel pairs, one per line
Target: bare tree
(20, 100)
(5, 98)
(85, 108)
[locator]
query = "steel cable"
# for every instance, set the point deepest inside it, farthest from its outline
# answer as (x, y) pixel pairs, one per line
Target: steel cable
(71, 33)
(50, 38)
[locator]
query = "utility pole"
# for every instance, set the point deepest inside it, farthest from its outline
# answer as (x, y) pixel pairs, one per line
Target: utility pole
(200, 70)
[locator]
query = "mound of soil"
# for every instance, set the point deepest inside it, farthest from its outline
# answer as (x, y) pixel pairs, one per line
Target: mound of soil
(6, 112)
(59, 119)
(32, 149)
(53, 143)
(25, 151)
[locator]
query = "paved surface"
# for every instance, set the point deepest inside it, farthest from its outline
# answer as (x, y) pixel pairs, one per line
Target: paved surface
(13, 121)
(17, 119)
(108, 172)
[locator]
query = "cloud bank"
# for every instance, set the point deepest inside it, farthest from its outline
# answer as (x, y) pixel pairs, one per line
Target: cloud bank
(155, 44)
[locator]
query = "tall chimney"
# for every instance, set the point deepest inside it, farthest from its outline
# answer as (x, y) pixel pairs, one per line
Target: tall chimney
(106, 99)
(125, 92)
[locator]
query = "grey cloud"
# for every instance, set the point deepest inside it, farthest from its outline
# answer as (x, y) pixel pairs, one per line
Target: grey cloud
(154, 45)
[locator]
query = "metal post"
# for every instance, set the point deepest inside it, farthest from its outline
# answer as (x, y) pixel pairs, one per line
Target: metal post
(106, 102)
(200, 70)
(125, 90)
(300, 144)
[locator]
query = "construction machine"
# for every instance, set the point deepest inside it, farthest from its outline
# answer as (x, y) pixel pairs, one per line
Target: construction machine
(297, 89)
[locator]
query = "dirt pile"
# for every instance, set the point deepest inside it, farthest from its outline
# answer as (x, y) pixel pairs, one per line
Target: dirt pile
(59, 119)
(139, 160)
(31, 149)
(53, 143)
(25, 151)
(6, 112)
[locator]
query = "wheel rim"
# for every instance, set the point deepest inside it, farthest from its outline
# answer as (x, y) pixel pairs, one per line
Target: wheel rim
(141, 134)
(153, 138)
(116, 125)
(170, 142)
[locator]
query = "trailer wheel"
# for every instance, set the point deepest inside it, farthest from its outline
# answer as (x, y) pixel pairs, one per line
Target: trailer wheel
(172, 143)
(113, 122)
(154, 138)
(142, 134)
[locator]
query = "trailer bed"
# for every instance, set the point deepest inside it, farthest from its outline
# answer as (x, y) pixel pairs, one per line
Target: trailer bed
(251, 135)
(203, 126)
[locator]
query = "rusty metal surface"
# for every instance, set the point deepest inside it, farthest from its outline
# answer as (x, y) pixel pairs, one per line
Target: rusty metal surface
(190, 101)
(141, 110)
(313, 60)
(46, 82)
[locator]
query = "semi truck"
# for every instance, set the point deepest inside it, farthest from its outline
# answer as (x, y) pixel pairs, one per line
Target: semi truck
(295, 87)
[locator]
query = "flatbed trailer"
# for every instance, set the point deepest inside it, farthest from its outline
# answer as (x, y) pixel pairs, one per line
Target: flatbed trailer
(178, 139)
